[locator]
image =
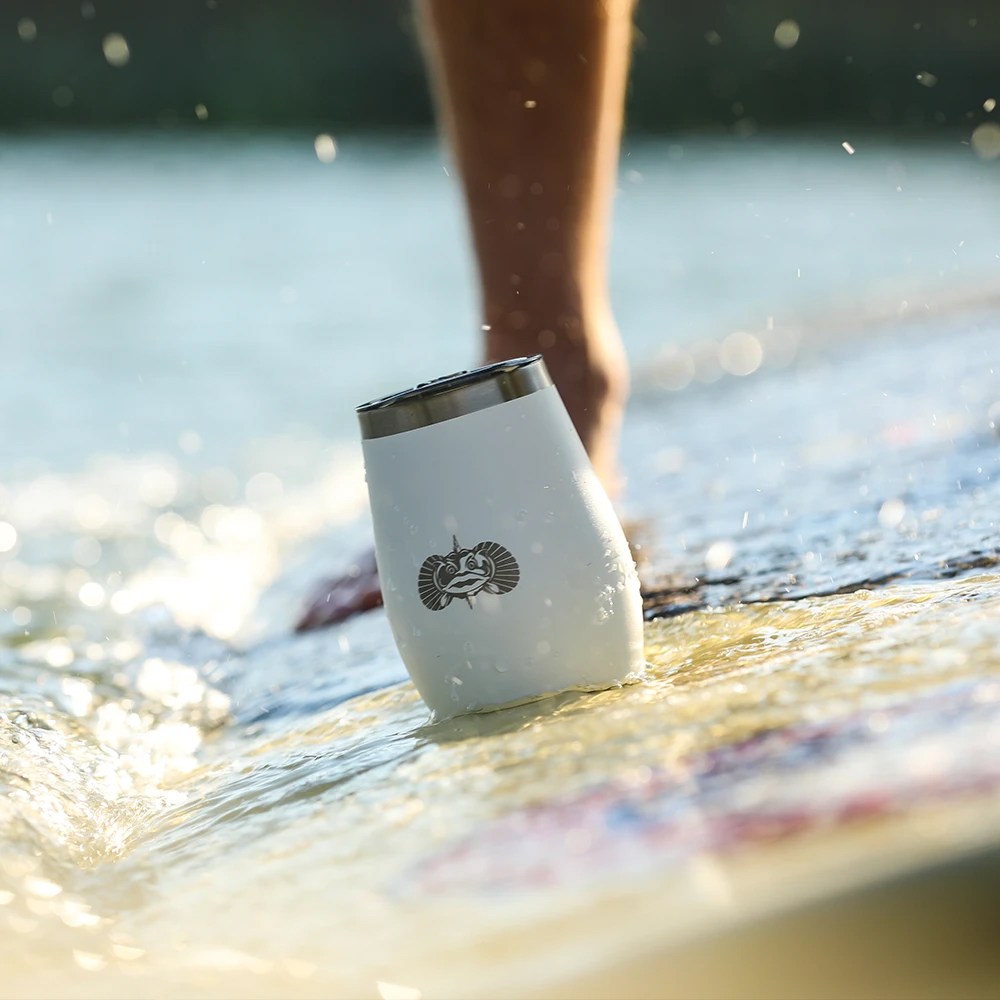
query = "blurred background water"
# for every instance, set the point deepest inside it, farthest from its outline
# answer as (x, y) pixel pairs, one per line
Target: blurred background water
(208, 261)
(233, 287)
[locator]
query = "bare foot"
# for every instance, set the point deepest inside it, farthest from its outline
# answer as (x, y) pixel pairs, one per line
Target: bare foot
(337, 599)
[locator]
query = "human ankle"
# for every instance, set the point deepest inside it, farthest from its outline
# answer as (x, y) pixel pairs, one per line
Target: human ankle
(588, 366)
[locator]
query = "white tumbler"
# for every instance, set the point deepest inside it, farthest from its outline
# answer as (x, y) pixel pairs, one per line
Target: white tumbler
(505, 573)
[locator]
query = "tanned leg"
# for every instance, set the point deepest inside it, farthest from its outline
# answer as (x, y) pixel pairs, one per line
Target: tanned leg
(530, 94)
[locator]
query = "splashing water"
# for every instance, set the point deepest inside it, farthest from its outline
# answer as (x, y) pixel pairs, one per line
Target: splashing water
(197, 801)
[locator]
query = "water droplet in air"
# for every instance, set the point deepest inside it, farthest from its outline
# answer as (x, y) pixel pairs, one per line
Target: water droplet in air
(116, 49)
(325, 147)
(786, 35)
(719, 555)
(892, 513)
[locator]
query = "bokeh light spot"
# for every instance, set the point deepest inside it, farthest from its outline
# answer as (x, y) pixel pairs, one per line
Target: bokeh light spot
(741, 353)
(326, 148)
(8, 536)
(116, 50)
(986, 140)
(189, 442)
(92, 595)
(786, 35)
(892, 513)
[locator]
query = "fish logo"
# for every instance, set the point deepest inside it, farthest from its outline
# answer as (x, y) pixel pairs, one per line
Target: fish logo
(487, 567)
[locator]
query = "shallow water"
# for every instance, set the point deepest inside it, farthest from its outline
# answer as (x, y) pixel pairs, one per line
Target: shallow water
(198, 801)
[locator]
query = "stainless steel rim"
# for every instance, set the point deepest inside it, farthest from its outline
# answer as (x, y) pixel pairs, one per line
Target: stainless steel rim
(453, 396)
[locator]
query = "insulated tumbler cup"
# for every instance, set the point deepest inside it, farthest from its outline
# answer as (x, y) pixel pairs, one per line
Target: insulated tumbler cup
(505, 573)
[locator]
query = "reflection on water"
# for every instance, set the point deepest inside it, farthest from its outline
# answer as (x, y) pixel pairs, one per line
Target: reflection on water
(334, 846)
(865, 463)
(197, 800)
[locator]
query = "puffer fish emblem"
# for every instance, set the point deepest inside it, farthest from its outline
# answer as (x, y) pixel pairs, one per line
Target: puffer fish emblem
(487, 567)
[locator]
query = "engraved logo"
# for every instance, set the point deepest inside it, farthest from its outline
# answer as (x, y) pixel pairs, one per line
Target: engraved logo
(463, 573)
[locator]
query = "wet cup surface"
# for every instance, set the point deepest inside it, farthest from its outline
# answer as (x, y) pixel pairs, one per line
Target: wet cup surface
(505, 572)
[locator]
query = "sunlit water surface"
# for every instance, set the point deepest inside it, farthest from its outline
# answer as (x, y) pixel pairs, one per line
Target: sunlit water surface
(196, 800)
